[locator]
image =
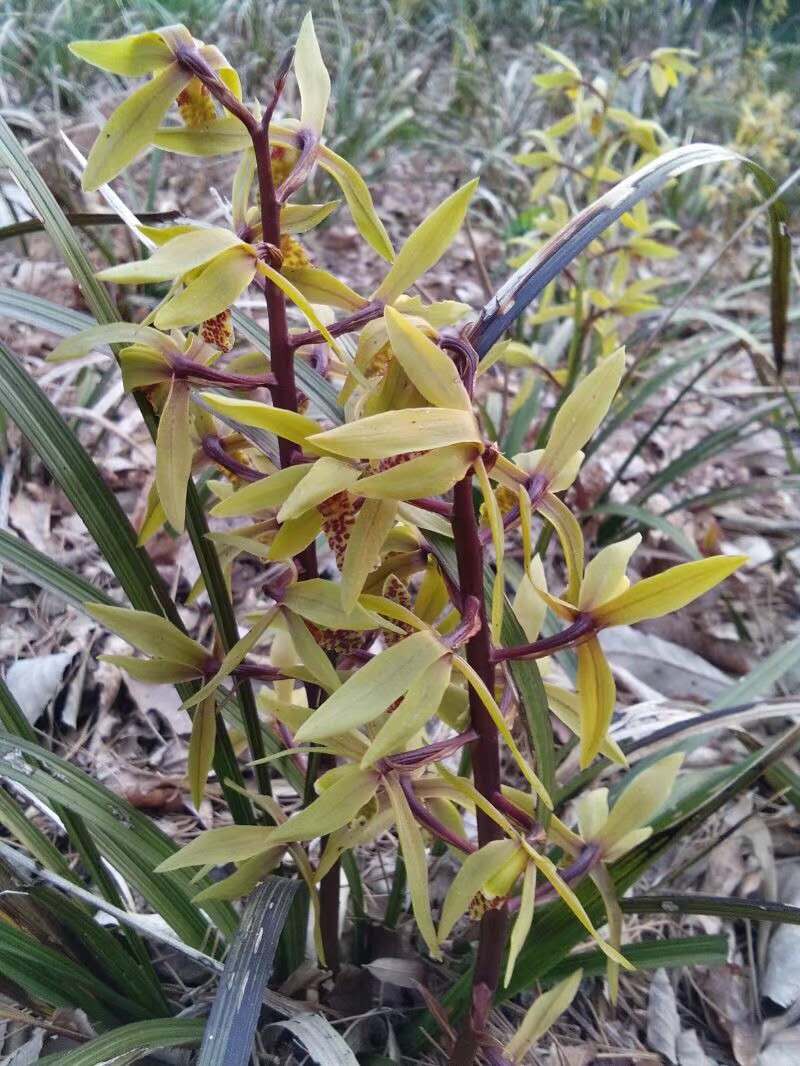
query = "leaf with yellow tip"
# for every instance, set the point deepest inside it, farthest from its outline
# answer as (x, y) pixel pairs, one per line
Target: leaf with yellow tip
(295, 535)
(430, 474)
(523, 922)
(570, 537)
(373, 688)
(598, 694)
(131, 128)
(338, 804)
(131, 56)
(178, 256)
(605, 578)
(240, 650)
(418, 705)
(201, 749)
(288, 424)
(428, 368)
(656, 596)
(269, 492)
(475, 871)
(311, 654)
(416, 862)
(326, 478)
(217, 288)
(390, 433)
(545, 1011)
(548, 869)
(313, 79)
(488, 700)
(582, 412)
(150, 633)
(174, 454)
(427, 244)
(362, 555)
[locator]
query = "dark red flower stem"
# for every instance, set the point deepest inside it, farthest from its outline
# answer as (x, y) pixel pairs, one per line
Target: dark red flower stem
(577, 633)
(486, 768)
(430, 821)
(349, 324)
(284, 391)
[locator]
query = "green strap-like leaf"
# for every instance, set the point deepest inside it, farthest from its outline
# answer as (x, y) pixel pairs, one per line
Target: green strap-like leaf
(525, 285)
(137, 1039)
(230, 1030)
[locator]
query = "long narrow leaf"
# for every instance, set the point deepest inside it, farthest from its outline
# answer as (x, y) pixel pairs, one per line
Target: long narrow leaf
(133, 1041)
(229, 1034)
(531, 278)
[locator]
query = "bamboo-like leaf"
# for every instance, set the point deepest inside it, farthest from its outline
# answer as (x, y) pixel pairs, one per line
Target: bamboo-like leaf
(312, 76)
(88, 493)
(523, 921)
(430, 474)
(373, 688)
(525, 285)
(418, 705)
(668, 591)
(153, 671)
(416, 863)
(132, 126)
(473, 874)
(46, 573)
(750, 909)
(389, 433)
(150, 634)
(322, 1042)
(546, 1010)
(230, 1031)
(427, 244)
(125, 837)
(132, 1042)
(326, 478)
(362, 555)
(427, 367)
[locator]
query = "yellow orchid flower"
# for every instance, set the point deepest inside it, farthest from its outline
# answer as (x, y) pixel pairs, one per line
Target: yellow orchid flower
(606, 598)
(134, 125)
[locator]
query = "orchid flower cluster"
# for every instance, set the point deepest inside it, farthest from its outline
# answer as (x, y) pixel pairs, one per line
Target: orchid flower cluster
(379, 662)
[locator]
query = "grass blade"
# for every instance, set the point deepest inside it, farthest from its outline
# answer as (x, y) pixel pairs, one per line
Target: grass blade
(138, 1040)
(752, 910)
(229, 1034)
(128, 839)
(525, 285)
(761, 678)
(325, 1046)
(43, 571)
(649, 955)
